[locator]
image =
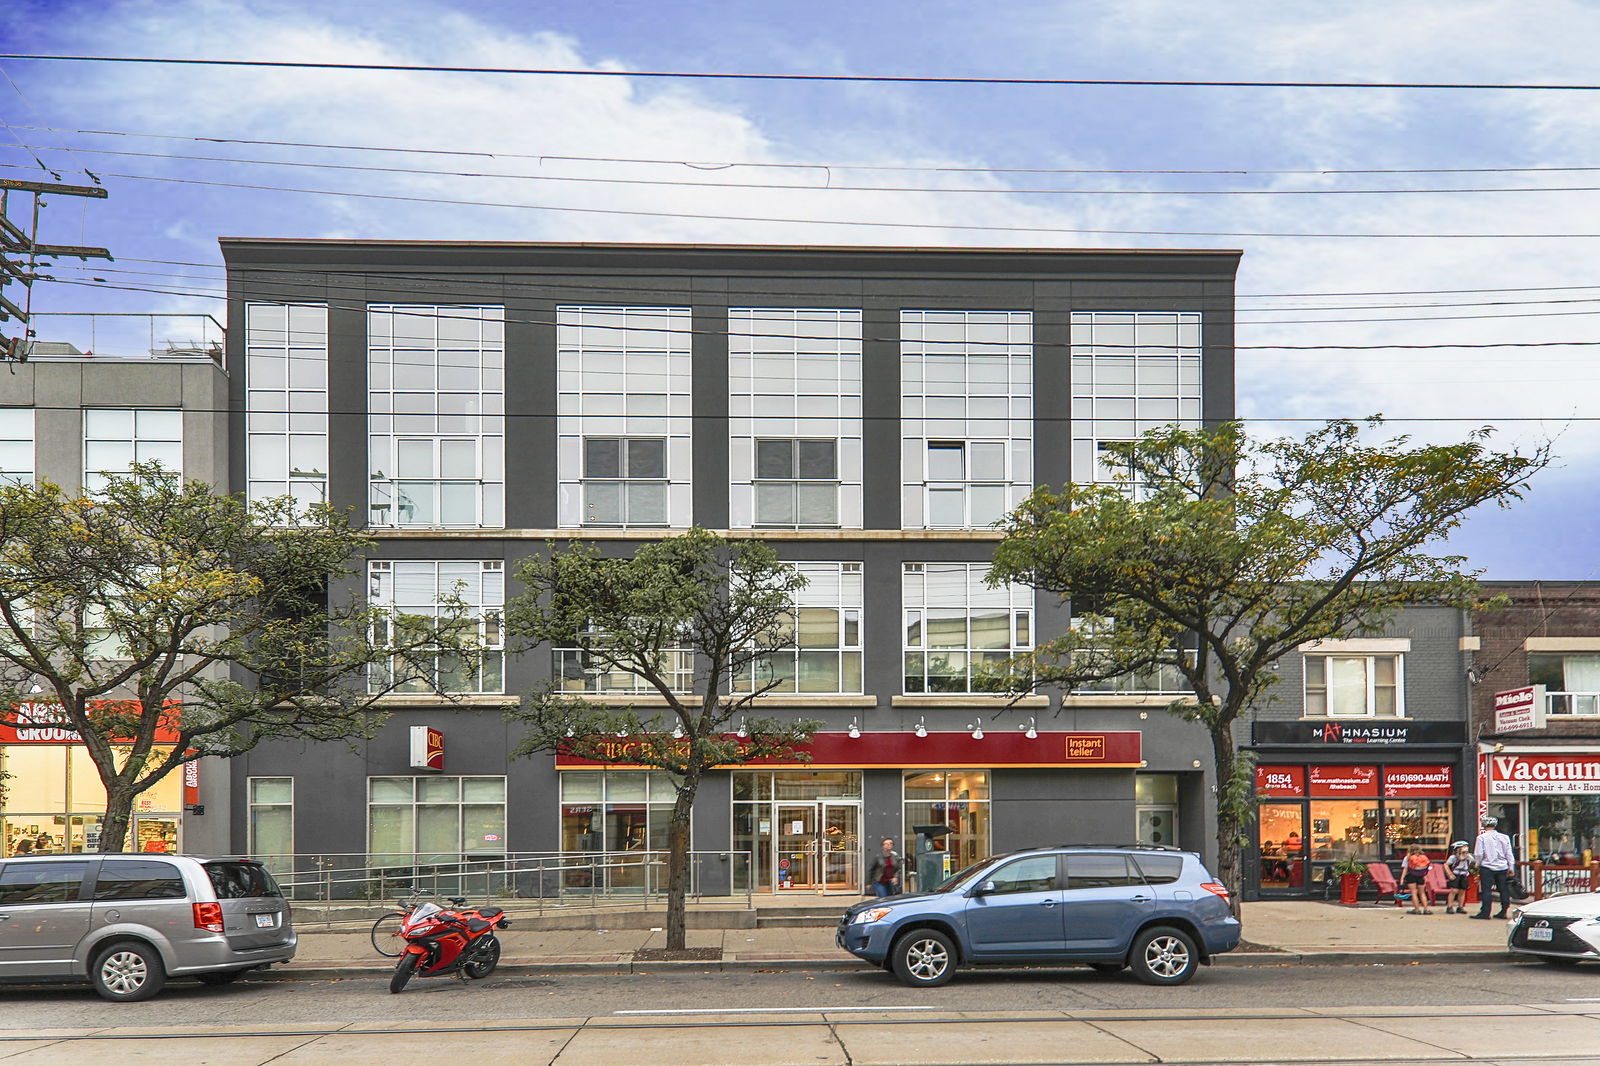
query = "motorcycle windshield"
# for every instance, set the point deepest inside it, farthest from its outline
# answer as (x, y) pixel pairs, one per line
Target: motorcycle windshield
(424, 913)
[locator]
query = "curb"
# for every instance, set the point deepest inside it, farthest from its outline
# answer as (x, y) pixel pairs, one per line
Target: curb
(628, 966)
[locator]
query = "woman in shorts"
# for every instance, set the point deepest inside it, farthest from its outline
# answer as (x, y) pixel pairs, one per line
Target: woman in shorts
(1416, 866)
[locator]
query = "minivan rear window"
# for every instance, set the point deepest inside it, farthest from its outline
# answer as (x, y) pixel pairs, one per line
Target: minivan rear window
(241, 880)
(138, 879)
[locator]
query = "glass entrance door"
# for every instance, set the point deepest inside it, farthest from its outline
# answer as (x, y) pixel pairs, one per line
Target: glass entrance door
(841, 841)
(797, 851)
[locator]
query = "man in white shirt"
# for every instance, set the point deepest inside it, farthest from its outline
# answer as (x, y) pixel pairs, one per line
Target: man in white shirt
(1493, 852)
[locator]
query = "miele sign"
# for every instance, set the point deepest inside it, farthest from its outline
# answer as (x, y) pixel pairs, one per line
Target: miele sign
(1531, 775)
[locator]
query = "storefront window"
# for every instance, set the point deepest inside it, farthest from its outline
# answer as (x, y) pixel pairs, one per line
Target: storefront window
(614, 811)
(435, 819)
(272, 820)
(956, 798)
(1563, 829)
(54, 797)
(800, 829)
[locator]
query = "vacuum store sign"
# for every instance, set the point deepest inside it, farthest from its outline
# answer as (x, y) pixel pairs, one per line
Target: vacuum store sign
(1532, 775)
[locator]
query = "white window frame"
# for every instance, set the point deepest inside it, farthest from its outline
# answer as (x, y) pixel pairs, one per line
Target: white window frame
(794, 483)
(13, 420)
(568, 668)
(849, 614)
(1106, 412)
(1021, 620)
(286, 424)
(461, 779)
(382, 585)
(625, 481)
(1370, 700)
(136, 442)
(251, 805)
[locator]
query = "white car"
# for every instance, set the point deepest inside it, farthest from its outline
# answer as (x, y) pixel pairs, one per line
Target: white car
(1562, 930)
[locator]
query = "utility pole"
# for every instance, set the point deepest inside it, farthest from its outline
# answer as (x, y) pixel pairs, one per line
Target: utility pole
(20, 252)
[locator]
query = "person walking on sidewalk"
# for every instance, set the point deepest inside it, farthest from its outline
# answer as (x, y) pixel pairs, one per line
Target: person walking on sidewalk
(1457, 869)
(1415, 865)
(1493, 852)
(884, 875)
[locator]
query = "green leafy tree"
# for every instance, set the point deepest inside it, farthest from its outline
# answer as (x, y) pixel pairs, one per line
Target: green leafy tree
(162, 622)
(724, 605)
(1215, 556)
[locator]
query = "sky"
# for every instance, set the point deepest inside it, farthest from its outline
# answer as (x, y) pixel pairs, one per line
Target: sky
(1472, 224)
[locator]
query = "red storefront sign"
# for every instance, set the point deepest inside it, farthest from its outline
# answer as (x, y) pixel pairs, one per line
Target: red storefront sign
(44, 722)
(1544, 773)
(1423, 782)
(1281, 781)
(838, 751)
(427, 748)
(1344, 782)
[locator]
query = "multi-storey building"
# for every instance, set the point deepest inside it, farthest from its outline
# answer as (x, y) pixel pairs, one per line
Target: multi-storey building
(870, 412)
(1361, 751)
(1538, 745)
(72, 418)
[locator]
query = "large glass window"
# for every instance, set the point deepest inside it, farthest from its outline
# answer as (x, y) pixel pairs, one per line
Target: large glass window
(53, 798)
(623, 416)
(580, 670)
(1571, 681)
(826, 623)
(413, 820)
(1353, 686)
(794, 417)
(16, 446)
(614, 811)
(958, 799)
(271, 833)
(956, 626)
(286, 397)
(116, 438)
(966, 416)
(1563, 830)
(436, 415)
(1131, 372)
(416, 587)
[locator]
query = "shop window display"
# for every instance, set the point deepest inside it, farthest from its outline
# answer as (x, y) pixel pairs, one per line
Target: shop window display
(54, 798)
(1563, 830)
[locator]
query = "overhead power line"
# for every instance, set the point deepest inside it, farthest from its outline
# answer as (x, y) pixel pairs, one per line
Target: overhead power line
(872, 223)
(297, 294)
(884, 79)
(726, 164)
(826, 186)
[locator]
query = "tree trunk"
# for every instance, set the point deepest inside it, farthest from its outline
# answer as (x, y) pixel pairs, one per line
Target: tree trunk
(678, 862)
(1229, 818)
(116, 820)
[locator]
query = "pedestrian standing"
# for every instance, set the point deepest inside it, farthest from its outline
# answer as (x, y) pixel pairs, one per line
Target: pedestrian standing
(1493, 852)
(1416, 866)
(1458, 868)
(885, 873)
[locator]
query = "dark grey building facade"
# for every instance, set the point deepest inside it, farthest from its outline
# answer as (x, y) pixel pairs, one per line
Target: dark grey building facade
(868, 411)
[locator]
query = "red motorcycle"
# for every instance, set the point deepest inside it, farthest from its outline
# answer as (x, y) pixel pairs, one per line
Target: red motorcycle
(440, 942)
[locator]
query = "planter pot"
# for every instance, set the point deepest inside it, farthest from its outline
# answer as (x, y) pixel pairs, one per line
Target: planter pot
(1349, 884)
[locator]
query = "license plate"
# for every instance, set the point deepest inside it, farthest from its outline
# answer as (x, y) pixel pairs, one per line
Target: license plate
(1541, 934)
(263, 921)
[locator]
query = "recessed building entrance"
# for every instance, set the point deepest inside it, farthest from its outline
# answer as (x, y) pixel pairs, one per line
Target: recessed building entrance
(802, 830)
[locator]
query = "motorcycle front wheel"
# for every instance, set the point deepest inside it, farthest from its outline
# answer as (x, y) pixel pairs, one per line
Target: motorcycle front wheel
(486, 956)
(403, 970)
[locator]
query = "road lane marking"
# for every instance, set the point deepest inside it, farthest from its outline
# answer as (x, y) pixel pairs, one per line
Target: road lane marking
(768, 1010)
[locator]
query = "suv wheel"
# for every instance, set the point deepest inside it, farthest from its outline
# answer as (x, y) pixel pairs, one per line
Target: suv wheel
(127, 972)
(924, 958)
(1163, 956)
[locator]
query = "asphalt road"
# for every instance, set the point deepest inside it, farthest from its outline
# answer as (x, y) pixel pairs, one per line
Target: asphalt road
(284, 1002)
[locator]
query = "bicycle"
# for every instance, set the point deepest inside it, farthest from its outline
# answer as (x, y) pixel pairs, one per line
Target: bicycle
(386, 940)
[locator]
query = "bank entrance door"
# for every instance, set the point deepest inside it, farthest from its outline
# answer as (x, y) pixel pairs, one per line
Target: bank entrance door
(818, 847)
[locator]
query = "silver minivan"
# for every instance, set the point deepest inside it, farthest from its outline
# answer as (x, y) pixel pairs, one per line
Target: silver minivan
(127, 922)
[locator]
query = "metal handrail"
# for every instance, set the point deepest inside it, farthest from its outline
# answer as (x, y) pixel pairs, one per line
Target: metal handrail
(612, 878)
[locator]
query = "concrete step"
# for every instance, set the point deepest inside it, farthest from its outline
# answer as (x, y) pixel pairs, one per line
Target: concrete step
(785, 919)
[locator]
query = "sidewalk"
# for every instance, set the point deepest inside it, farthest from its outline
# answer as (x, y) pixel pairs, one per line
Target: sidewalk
(1279, 933)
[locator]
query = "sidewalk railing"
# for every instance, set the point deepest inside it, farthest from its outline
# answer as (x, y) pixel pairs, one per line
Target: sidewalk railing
(1554, 879)
(590, 879)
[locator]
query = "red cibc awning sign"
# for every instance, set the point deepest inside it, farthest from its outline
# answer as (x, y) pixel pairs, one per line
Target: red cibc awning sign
(1116, 749)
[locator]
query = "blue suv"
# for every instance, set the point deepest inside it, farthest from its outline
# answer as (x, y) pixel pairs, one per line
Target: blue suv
(1154, 910)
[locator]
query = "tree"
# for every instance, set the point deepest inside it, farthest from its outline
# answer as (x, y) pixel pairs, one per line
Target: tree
(726, 605)
(1215, 556)
(161, 622)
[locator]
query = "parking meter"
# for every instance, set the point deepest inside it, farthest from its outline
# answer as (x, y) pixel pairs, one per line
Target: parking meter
(930, 862)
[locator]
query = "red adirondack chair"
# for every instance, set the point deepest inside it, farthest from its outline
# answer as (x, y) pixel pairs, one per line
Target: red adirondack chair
(1383, 878)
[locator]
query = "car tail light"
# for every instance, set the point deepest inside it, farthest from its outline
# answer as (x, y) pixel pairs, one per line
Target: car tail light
(1216, 888)
(208, 916)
